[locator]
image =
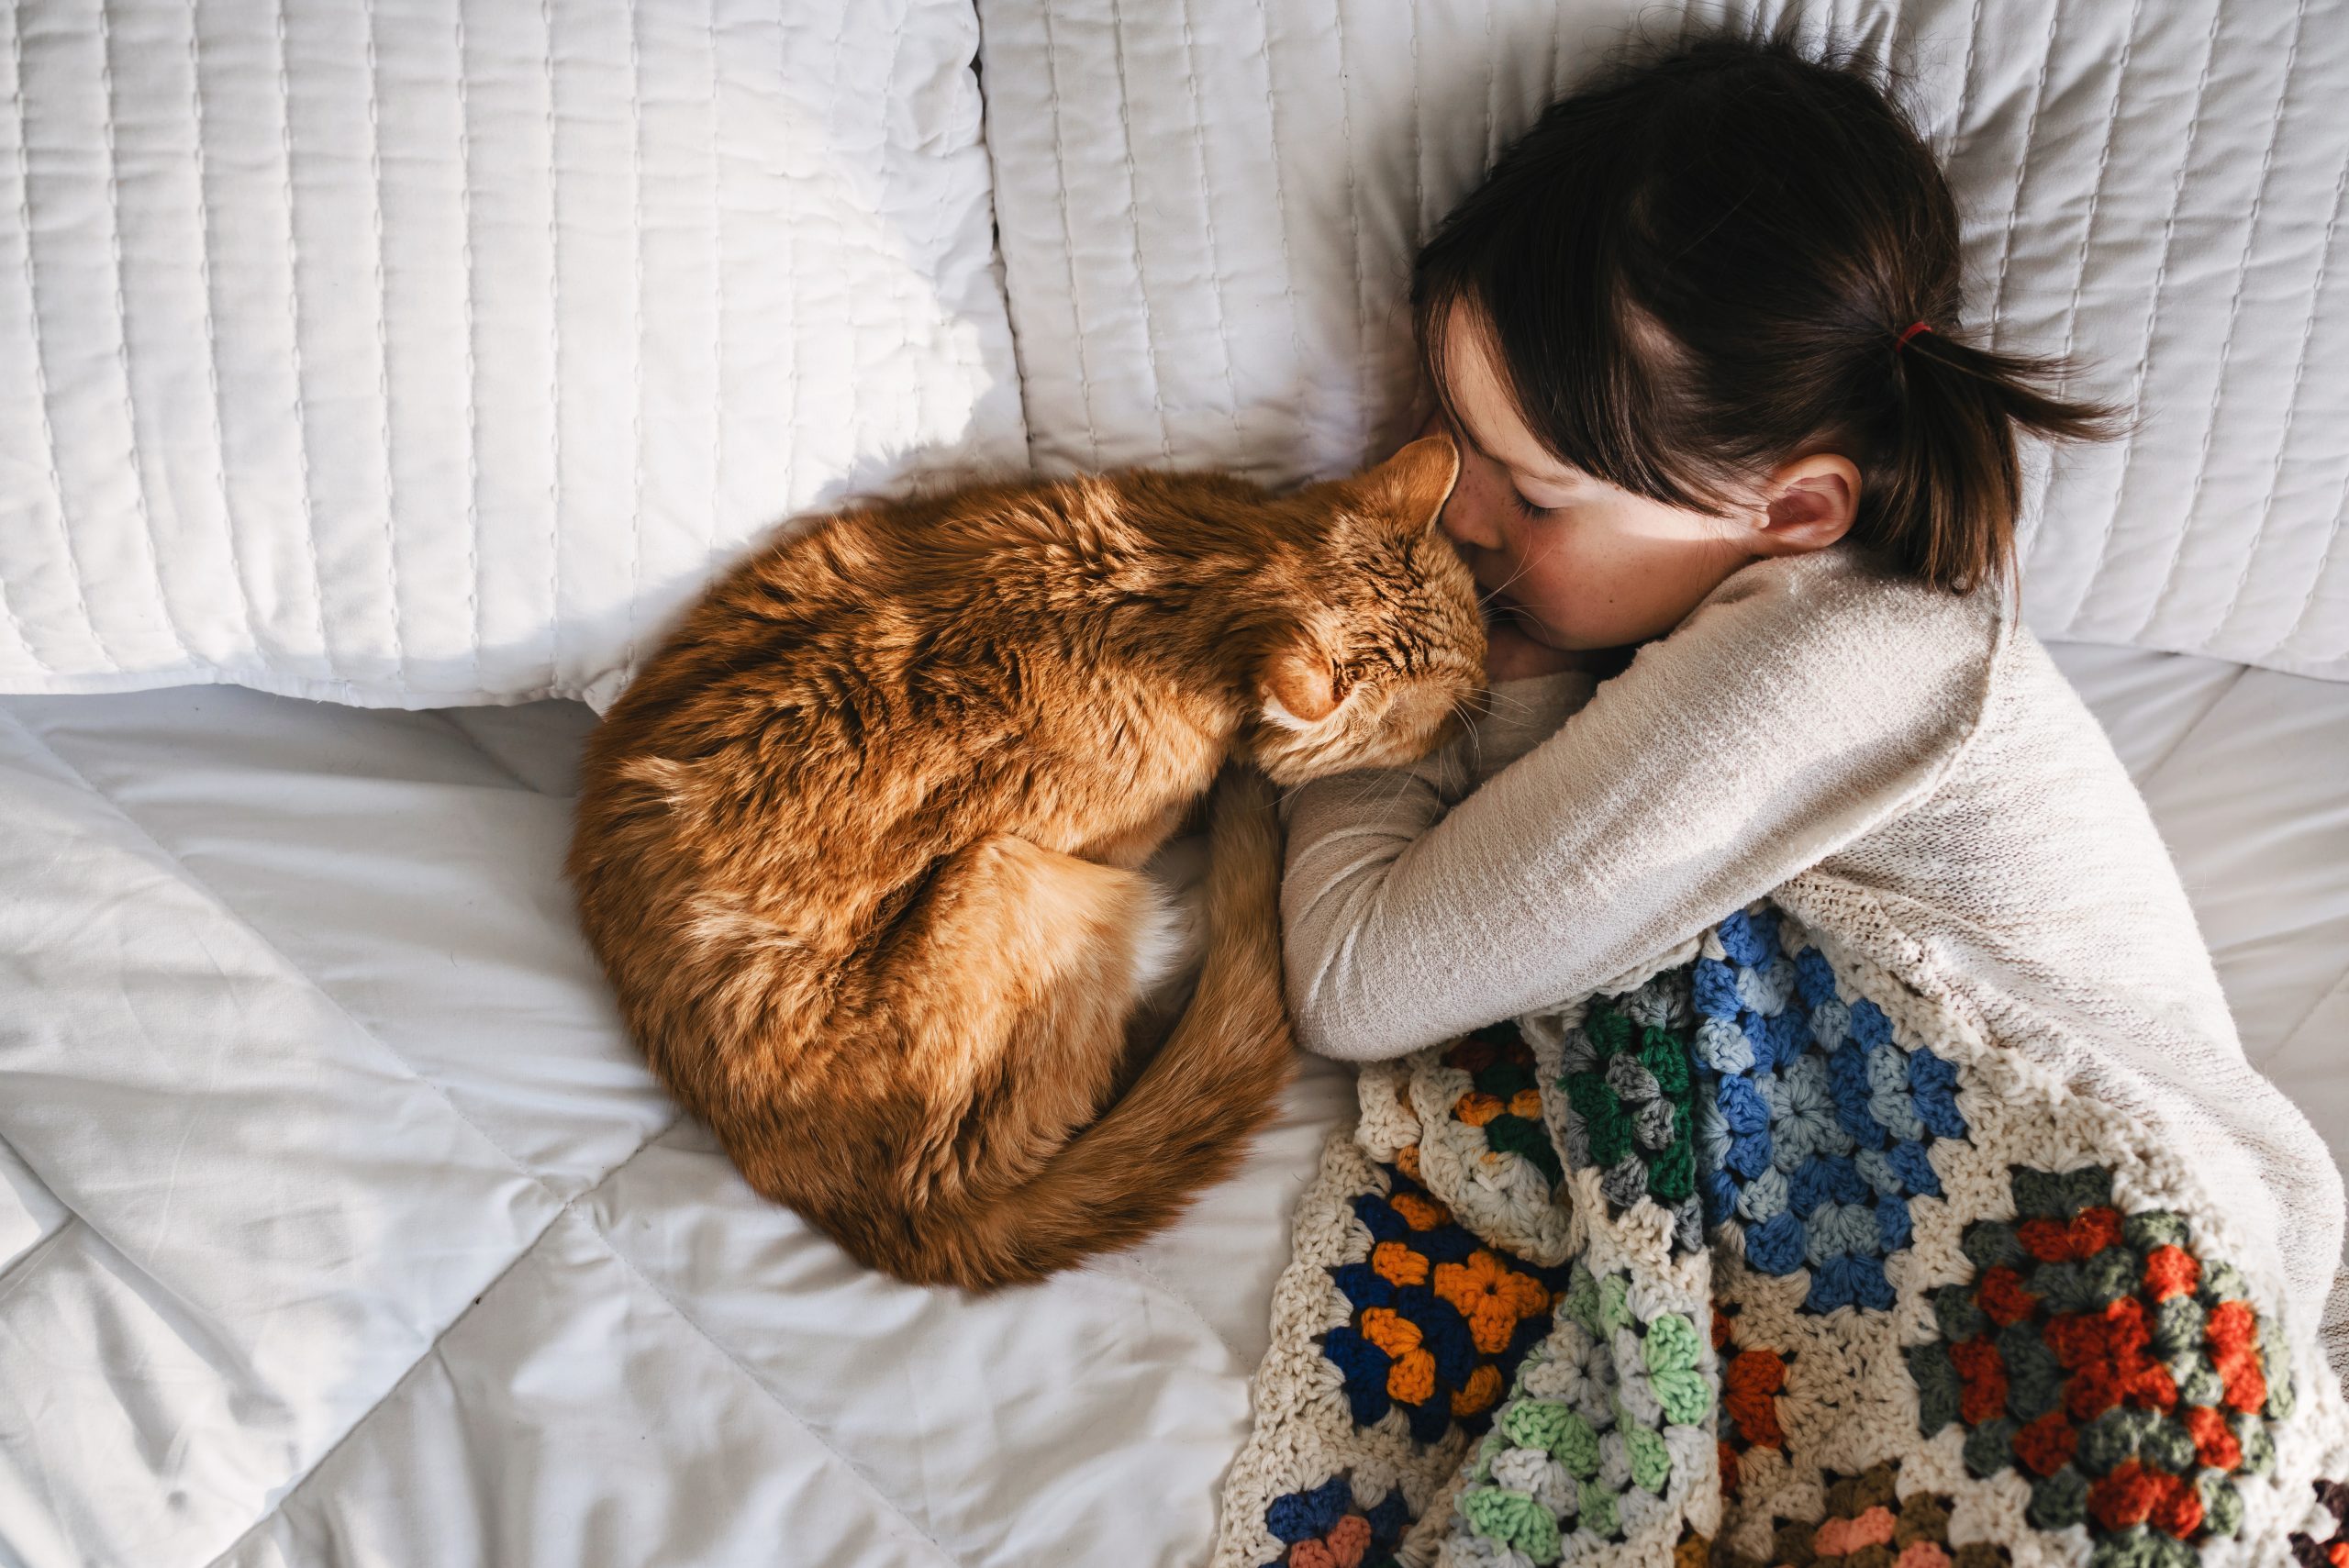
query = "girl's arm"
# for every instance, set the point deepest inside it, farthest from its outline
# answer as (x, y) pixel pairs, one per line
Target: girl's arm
(1797, 709)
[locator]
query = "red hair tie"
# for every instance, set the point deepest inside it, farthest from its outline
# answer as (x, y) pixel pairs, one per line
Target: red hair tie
(1914, 328)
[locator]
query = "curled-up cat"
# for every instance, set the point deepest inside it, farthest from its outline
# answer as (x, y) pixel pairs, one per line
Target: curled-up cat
(859, 847)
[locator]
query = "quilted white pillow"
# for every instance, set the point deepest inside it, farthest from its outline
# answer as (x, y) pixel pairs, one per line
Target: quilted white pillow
(414, 355)
(1208, 212)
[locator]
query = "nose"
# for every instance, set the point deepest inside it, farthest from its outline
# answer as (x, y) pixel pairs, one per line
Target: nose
(1468, 516)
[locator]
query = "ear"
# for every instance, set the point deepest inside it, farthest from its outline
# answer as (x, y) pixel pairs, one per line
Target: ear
(1809, 503)
(1300, 687)
(1412, 485)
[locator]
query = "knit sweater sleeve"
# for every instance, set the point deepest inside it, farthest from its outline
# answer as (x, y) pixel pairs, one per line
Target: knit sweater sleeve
(1804, 702)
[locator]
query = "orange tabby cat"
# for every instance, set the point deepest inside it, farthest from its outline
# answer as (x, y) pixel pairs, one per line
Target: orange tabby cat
(858, 847)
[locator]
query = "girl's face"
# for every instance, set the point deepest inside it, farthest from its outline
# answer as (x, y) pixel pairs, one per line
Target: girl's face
(1570, 562)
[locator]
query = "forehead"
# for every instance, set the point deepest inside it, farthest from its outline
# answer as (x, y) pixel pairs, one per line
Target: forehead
(1482, 399)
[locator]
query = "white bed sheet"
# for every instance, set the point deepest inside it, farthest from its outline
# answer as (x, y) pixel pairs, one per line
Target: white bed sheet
(339, 1224)
(2247, 774)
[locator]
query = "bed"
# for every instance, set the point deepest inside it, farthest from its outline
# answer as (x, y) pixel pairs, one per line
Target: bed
(325, 1150)
(339, 1221)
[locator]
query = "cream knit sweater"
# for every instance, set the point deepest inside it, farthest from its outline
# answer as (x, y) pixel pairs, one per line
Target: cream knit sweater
(1894, 764)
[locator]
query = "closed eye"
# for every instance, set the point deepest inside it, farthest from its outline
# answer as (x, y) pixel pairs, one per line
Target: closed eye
(1528, 508)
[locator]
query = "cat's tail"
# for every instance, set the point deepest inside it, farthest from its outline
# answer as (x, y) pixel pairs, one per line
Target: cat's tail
(1190, 1113)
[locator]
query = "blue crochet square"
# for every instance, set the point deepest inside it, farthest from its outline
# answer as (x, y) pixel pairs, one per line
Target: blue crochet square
(1813, 1116)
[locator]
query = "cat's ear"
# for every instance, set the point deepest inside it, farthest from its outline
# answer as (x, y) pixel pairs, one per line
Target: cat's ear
(1300, 687)
(1412, 485)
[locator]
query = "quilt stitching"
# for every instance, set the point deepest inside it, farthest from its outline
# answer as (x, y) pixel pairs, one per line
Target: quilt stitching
(1216, 279)
(1132, 1265)
(555, 360)
(472, 346)
(787, 343)
(39, 357)
(2098, 186)
(122, 333)
(2153, 313)
(1309, 394)
(204, 244)
(2341, 508)
(383, 337)
(299, 408)
(1353, 214)
(1997, 312)
(636, 319)
(1132, 225)
(720, 402)
(2227, 347)
(1068, 241)
(1967, 83)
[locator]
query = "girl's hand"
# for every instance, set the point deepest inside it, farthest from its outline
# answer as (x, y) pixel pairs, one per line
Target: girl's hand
(1510, 655)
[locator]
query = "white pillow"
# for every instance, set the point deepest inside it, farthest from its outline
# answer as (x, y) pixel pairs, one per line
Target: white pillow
(1208, 212)
(426, 355)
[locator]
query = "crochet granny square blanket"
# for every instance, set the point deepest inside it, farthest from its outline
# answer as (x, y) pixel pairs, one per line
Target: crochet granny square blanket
(1766, 1259)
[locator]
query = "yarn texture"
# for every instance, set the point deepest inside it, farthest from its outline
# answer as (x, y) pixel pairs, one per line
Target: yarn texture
(1765, 1258)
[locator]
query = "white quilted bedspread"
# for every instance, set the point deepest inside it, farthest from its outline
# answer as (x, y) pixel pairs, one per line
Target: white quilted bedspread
(339, 1224)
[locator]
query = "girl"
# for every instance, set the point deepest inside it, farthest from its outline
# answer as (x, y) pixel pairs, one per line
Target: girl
(1697, 337)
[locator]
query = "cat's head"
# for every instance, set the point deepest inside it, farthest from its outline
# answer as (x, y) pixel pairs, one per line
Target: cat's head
(1382, 658)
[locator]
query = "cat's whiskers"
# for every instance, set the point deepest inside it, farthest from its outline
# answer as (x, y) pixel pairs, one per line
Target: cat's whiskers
(1486, 596)
(1516, 704)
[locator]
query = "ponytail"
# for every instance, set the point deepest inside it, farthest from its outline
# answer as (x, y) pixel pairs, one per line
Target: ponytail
(1943, 501)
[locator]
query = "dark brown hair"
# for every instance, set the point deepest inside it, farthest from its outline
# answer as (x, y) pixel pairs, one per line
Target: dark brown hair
(1701, 266)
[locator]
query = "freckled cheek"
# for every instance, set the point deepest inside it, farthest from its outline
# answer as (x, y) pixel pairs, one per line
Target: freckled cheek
(1610, 584)
(1556, 583)
(1583, 578)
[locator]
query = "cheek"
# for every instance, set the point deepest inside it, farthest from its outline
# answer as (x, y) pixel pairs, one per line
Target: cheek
(1616, 576)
